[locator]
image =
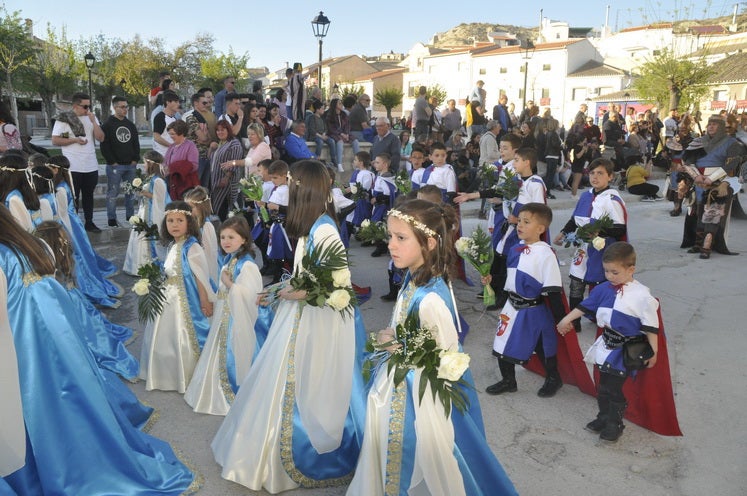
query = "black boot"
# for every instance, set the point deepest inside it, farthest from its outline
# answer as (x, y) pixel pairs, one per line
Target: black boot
(380, 250)
(600, 422)
(613, 429)
(552, 379)
(393, 289)
(508, 383)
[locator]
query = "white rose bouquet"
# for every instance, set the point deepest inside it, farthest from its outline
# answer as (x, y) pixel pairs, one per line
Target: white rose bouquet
(478, 251)
(372, 232)
(403, 182)
(414, 347)
(137, 184)
(590, 233)
(325, 277)
(251, 187)
(150, 291)
(148, 231)
(358, 192)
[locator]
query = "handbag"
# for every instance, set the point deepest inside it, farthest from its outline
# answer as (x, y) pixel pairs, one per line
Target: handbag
(636, 352)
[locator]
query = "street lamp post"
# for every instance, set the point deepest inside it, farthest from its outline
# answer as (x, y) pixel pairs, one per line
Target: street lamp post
(527, 52)
(320, 25)
(90, 60)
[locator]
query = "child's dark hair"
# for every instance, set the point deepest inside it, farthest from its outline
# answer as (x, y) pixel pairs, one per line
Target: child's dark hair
(43, 179)
(308, 197)
(620, 252)
(364, 158)
(37, 159)
(239, 224)
(417, 148)
(385, 157)
(31, 253)
(440, 219)
(529, 154)
(437, 145)
(540, 211)
(602, 162)
(278, 168)
(198, 199)
(62, 164)
(431, 193)
(512, 139)
(54, 234)
(16, 176)
(153, 161)
(265, 163)
(182, 207)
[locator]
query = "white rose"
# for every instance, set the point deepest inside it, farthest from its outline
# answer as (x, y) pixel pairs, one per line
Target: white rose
(599, 243)
(134, 219)
(141, 288)
(341, 278)
(452, 366)
(462, 245)
(339, 299)
(231, 214)
(365, 223)
(354, 189)
(137, 182)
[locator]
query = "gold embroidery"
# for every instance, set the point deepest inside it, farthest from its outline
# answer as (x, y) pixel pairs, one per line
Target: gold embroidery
(198, 480)
(397, 413)
(286, 435)
(31, 278)
(178, 280)
(225, 317)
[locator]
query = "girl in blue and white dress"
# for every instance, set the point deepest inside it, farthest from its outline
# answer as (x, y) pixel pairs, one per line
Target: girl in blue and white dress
(198, 199)
(90, 279)
(153, 200)
(232, 343)
(16, 190)
(75, 440)
(173, 340)
(296, 420)
(411, 446)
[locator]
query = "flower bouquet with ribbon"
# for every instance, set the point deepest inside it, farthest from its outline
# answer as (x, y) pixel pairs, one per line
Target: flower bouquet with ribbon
(478, 251)
(325, 277)
(373, 232)
(150, 291)
(508, 185)
(137, 183)
(414, 347)
(589, 233)
(403, 182)
(147, 231)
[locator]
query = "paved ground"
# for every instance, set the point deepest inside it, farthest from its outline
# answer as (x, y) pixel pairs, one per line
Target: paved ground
(541, 442)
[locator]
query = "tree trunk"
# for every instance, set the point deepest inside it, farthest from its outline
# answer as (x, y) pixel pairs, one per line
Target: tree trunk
(12, 98)
(674, 98)
(389, 115)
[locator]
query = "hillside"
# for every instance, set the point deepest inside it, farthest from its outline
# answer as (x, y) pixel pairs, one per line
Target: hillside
(463, 34)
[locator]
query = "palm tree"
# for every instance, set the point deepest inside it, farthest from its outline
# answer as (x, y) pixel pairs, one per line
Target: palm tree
(389, 98)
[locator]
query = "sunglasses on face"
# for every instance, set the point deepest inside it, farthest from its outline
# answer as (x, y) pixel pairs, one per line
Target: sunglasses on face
(84, 107)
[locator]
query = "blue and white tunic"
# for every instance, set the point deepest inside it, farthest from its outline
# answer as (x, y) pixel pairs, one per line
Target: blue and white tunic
(383, 185)
(587, 261)
(532, 190)
(629, 310)
(533, 272)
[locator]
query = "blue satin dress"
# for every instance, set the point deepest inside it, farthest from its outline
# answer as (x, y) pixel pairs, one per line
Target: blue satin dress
(91, 281)
(77, 442)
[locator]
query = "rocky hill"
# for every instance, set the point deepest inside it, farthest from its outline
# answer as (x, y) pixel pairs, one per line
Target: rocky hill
(463, 34)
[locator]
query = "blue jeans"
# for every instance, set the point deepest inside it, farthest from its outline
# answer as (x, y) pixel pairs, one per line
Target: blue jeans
(551, 176)
(115, 174)
(203, 171)
(341, 146)
(332, 148)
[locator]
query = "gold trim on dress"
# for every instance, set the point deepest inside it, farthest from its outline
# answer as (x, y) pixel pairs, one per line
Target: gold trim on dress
(30, 278)
(286, 426)
(225, 317)
(178, 281)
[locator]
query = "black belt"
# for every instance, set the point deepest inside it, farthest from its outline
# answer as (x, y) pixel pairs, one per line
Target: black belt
(519, 302)
(614, 340)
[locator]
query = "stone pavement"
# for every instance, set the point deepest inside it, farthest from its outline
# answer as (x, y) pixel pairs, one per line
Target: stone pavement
(541, 442)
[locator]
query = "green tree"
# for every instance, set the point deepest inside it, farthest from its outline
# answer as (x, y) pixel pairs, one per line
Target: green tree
(351, 88)
(389, 98)
(16, 53)
(53, 71)
(671, 82)
(215, 68)
(185, 61)
(106, 84)
(437, 92)
(137, 68)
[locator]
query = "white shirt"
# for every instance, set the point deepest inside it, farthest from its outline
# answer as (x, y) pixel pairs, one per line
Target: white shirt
(443, 177)
(82, 157)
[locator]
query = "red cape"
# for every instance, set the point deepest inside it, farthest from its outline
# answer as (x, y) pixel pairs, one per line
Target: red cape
(570, 361)
(649, 393)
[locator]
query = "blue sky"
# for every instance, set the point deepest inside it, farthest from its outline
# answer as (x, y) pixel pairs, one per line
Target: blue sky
(274, 33)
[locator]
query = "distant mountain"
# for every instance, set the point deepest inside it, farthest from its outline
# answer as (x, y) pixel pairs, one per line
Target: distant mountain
(463, 34)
